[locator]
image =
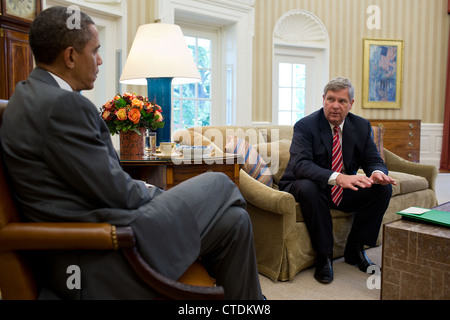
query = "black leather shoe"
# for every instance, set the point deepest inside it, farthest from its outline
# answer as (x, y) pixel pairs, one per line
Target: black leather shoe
(355, 254)
(324, 269)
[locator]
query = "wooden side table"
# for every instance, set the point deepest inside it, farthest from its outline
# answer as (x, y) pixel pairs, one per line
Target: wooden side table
(166, 173)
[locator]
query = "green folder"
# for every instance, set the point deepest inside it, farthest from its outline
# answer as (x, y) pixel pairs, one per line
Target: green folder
(428, 215)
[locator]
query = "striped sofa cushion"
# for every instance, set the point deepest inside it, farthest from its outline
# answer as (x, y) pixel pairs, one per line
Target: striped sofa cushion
(252, 162)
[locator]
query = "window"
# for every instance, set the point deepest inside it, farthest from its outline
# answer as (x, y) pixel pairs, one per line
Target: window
(295, 92)
(229, 26)
(291, 93)
(192, 102)
(300, 66)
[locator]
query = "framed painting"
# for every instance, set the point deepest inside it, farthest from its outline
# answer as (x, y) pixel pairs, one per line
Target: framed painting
(382, 74)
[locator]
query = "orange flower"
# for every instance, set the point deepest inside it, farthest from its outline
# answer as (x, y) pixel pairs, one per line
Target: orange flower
(160, 118)
(121, 114)
(109, 105)
(129, 96)
(106, 115)
(125, 113)
(134, 115)
(137, 103)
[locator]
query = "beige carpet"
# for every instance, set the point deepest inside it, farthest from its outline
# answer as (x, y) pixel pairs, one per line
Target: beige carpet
(349, 284)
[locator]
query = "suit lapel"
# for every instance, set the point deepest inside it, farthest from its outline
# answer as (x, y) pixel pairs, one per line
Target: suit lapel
(325, 134)
(348, 141)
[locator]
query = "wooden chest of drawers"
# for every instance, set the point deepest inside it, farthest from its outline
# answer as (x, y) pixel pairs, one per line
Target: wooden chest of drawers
(401, 137)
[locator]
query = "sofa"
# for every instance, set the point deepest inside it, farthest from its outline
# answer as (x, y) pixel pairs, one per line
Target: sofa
(282, 243)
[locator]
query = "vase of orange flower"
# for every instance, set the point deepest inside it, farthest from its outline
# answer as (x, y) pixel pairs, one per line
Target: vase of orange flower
(130, 115)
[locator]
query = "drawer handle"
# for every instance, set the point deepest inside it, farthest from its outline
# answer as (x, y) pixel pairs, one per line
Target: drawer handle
(411, 125)
(411, 134)
(411, 155)
(411, 144)
(380, 125)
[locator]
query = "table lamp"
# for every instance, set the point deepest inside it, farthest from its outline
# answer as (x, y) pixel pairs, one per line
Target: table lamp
(160, 57)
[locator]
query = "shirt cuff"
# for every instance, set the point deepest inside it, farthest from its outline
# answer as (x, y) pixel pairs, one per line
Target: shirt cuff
(332, 179)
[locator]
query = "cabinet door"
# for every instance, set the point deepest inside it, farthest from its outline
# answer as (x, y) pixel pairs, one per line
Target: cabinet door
(17, 60)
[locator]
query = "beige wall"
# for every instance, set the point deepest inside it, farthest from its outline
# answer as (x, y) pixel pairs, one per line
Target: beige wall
(139, 12)
(423, 25)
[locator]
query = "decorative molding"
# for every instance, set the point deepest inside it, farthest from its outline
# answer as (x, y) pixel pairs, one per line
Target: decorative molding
(300, 27)
(241, 5)
(105, 1)
(221, 8)
(111, 8)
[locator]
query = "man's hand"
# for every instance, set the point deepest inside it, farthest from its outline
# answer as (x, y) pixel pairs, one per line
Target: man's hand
(354, 182)
(381, 178)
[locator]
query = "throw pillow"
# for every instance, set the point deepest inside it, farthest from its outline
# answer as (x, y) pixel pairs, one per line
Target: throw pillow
(253, 164)
(377, 135)
(276, 155)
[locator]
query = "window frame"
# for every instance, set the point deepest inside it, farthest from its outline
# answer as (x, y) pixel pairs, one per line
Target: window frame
(236, 22)
(213, 34)
(295, 55)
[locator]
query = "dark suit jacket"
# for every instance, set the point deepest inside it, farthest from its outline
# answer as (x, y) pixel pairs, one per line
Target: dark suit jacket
(63, 167)
(311, 150)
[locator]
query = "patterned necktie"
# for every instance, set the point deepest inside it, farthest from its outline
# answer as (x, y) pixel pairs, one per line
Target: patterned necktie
(337, 166)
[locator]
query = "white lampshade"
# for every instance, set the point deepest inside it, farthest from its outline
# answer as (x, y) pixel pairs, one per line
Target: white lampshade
(159, 51)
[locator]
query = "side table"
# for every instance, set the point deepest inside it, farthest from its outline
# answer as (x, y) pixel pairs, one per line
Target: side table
(416, 261)
(166, 173)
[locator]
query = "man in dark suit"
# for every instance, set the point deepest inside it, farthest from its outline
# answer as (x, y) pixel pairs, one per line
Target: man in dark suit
(63, 167)
(319, 184)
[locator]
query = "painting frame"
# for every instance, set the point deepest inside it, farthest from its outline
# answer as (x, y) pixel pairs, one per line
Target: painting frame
(382, 74)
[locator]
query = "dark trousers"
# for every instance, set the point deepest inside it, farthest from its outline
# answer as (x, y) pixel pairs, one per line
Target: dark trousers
(227, 245)
(315, 202)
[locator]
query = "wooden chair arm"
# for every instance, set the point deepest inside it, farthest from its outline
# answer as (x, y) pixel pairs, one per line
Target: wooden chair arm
(58, 236)
(168, 288)
(97, 236)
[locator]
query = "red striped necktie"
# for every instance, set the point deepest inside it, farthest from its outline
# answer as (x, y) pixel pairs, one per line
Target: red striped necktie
(337, 166)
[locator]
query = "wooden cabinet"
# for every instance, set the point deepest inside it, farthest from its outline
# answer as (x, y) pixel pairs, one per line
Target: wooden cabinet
(401, 137)
(16, 58)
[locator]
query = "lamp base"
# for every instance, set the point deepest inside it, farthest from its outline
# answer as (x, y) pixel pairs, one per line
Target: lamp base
(160, 92)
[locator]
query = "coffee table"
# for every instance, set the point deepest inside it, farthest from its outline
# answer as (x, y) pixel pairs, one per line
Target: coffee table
(167, 172)
(416, 260)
